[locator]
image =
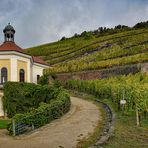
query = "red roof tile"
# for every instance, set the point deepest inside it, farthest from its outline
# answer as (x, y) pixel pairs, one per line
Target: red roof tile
(39, 60)
(10, 46)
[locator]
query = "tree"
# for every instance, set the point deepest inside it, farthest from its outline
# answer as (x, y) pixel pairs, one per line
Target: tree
(63, 38)
(141, 25)
(101, 29)
(76, 35)
(118, 27)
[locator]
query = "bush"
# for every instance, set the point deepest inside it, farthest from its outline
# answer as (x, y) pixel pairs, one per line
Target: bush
(45, 113)
(22, 97)
(43, 80)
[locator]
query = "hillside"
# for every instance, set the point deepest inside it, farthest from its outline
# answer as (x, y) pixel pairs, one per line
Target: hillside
(106, 54)
(95, 50)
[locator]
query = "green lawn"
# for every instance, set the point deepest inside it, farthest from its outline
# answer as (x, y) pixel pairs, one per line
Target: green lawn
(127, 134)
(4, 123)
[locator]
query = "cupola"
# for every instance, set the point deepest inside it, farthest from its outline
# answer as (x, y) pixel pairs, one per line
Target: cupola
(9, 33)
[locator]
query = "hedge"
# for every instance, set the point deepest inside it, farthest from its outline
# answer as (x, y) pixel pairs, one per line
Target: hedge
(23, 97)
(45, 113)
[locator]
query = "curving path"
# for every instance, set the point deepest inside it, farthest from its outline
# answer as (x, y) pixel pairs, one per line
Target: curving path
(61, 133)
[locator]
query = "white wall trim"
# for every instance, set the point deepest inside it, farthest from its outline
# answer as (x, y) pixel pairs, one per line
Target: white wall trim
(13, 68)
(41, 65)
(15, 53)
(23, 55)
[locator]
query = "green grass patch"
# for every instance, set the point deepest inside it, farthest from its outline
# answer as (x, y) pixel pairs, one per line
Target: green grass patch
(4, 123)
(127, 134)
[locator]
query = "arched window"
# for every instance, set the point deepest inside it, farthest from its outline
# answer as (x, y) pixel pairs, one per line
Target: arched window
(4, 75)
(22, 75)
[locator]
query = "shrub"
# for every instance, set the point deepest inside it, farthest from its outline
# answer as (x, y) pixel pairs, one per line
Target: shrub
(45, 113)
(22, 97)
(43, 80)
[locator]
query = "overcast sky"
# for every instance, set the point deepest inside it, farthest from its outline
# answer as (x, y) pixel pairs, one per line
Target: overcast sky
(42, 21)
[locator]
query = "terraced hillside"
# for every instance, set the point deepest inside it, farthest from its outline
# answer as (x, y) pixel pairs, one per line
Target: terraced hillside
(92, 51)
(95, 51)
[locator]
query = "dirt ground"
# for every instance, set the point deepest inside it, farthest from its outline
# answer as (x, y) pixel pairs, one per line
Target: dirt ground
(62, 133)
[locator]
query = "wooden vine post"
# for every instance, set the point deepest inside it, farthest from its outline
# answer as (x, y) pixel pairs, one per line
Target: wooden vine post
(13, 126)
(123, 101)
(137, 116)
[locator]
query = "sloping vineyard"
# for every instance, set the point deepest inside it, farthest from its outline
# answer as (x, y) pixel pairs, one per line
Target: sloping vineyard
(132, 88)
(81, 66)
(75, 47)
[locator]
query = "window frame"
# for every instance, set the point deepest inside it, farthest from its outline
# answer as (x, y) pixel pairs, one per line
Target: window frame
(4, 75)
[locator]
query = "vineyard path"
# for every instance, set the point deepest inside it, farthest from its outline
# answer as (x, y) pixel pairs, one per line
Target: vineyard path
(65, 132)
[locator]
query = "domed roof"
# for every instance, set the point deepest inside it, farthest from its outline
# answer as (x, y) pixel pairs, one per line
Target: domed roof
(8, 28)
(11, 46)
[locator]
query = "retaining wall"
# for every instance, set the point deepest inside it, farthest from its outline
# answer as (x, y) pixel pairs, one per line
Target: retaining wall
(95, 74)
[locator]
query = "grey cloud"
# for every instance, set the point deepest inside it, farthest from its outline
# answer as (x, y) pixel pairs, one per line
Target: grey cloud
(41, 21)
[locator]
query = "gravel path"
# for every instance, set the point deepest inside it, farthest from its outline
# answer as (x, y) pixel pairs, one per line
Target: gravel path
(62, 133)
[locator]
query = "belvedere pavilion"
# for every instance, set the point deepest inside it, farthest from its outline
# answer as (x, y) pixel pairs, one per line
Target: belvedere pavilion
(15, 63)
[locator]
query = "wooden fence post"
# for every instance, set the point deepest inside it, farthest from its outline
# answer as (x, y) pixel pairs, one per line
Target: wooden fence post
(137, 116)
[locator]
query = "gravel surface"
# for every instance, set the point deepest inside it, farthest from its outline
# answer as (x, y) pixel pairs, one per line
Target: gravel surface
(61, 133)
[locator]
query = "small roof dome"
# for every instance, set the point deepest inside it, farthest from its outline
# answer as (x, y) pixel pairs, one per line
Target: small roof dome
(9, 28)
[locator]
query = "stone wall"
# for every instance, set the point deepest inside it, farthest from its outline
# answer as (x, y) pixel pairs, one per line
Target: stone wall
(95, 74)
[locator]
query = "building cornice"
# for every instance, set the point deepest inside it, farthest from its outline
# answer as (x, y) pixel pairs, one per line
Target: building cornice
(23, 55)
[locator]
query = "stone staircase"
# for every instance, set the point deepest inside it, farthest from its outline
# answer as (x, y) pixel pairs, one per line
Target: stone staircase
(1, 105)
